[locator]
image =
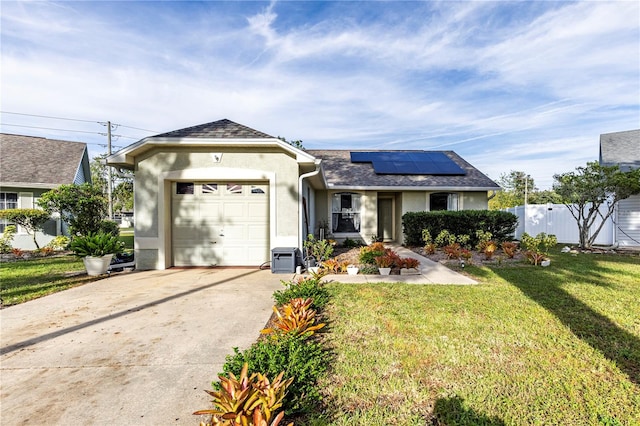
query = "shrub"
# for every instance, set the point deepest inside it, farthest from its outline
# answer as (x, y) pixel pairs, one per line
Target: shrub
(7, 238)
(302, 359)
(369, 270)
(109, 227)
(537, 248)
(44, 251)
(296, 318)
(320, 249)
(501, 224)
(445, 238)
(467, 256)
(60, 242)
(82, 206)
(369, 253)
(248, 400)
(305, 288)
(463, 240)
(32, 220)
(426, 237)
(483, 238)
(349, 243)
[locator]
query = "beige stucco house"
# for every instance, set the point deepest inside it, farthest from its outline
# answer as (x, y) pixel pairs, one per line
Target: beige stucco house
(223, 194)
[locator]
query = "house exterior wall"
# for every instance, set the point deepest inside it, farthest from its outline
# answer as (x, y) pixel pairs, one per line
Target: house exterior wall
(407, 201)
(27, 199)
(156, 170)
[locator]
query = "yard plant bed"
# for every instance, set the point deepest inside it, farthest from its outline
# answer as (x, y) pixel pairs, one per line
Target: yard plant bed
(24, 280)
(530, 345)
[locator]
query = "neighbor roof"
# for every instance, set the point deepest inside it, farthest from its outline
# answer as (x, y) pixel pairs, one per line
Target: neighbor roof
(29, 161)
(341, 173)
(224, 128)
(621, 148)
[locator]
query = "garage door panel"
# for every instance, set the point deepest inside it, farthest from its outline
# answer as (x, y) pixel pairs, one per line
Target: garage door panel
(237, 221)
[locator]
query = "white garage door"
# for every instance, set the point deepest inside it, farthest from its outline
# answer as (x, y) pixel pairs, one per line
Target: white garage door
(220, 223)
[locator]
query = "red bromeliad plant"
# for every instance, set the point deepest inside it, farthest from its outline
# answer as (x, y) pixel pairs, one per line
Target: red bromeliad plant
(509, 248)
(453, 251)
(410, 262)
(489, 249)
(247, 400)
(295, 318)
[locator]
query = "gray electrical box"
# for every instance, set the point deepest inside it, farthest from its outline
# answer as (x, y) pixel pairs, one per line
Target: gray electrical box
(285, 259)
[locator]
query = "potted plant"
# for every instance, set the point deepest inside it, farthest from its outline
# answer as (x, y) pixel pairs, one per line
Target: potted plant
(96, 251)
(384, 264)
(319, 250)
(352, 270)
(409, 266)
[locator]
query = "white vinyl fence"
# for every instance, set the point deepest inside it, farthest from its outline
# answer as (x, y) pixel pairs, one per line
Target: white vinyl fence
(556, 219)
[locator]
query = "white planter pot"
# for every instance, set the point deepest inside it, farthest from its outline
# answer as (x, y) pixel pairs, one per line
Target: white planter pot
(97, 265)
(352, 270)
(545, 263)
(384, 271)
(314, 269)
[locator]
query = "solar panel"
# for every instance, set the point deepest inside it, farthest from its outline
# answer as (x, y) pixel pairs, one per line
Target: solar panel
(408, 162)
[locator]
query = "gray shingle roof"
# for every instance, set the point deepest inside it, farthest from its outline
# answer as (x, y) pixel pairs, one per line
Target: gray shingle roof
(621, 148)
(30, 159)
(341, 172)
(226, 129)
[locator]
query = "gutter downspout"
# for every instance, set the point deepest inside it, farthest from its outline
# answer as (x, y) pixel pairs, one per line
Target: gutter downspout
(300, 205)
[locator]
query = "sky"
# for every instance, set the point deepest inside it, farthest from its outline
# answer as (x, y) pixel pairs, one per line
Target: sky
(508, 85)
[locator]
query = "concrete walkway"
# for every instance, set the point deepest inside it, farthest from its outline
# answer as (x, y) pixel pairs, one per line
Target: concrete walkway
(133, 349)
(430, 273)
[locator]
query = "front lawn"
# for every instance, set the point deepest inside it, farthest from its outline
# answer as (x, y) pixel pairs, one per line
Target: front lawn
(530, 345)
(24, 280)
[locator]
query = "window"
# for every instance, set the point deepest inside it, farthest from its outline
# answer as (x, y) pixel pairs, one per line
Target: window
(184, 188)
(8, 200)
(233, 188)
(443, 201)
(258, 189)
(345, 212)
(209, 188)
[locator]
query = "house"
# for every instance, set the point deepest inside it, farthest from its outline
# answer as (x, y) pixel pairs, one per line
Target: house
(623, 149)
(31, 166)
(224, 194)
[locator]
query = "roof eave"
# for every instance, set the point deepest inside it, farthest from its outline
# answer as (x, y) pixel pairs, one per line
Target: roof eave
(414, 188)
(126, 156)
(34, 185)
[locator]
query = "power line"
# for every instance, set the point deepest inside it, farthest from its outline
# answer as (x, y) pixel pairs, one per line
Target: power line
(104, 123)
(66, 130)
(47, 116)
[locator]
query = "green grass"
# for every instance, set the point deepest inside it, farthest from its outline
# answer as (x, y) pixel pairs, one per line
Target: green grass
(530, 345)
(24, 280)
(126, 235)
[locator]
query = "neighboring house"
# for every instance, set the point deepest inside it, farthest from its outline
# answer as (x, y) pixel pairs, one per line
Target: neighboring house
(224, 194)
(31, 166)
(623, 149)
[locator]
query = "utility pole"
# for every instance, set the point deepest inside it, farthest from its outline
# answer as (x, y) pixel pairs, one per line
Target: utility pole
(109, 171)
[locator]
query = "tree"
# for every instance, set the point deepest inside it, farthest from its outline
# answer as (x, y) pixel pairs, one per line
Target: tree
(588, 188)
(32, 220)
(515, 184)
(83, 207)
(296, 144)
(121, 184)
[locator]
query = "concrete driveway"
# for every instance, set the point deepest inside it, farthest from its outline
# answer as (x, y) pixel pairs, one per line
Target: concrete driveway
(132, 349)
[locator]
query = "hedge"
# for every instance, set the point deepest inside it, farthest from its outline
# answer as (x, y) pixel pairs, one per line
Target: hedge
(502, 225)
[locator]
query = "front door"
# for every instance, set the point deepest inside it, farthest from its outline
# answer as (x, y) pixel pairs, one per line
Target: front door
(385, 218)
